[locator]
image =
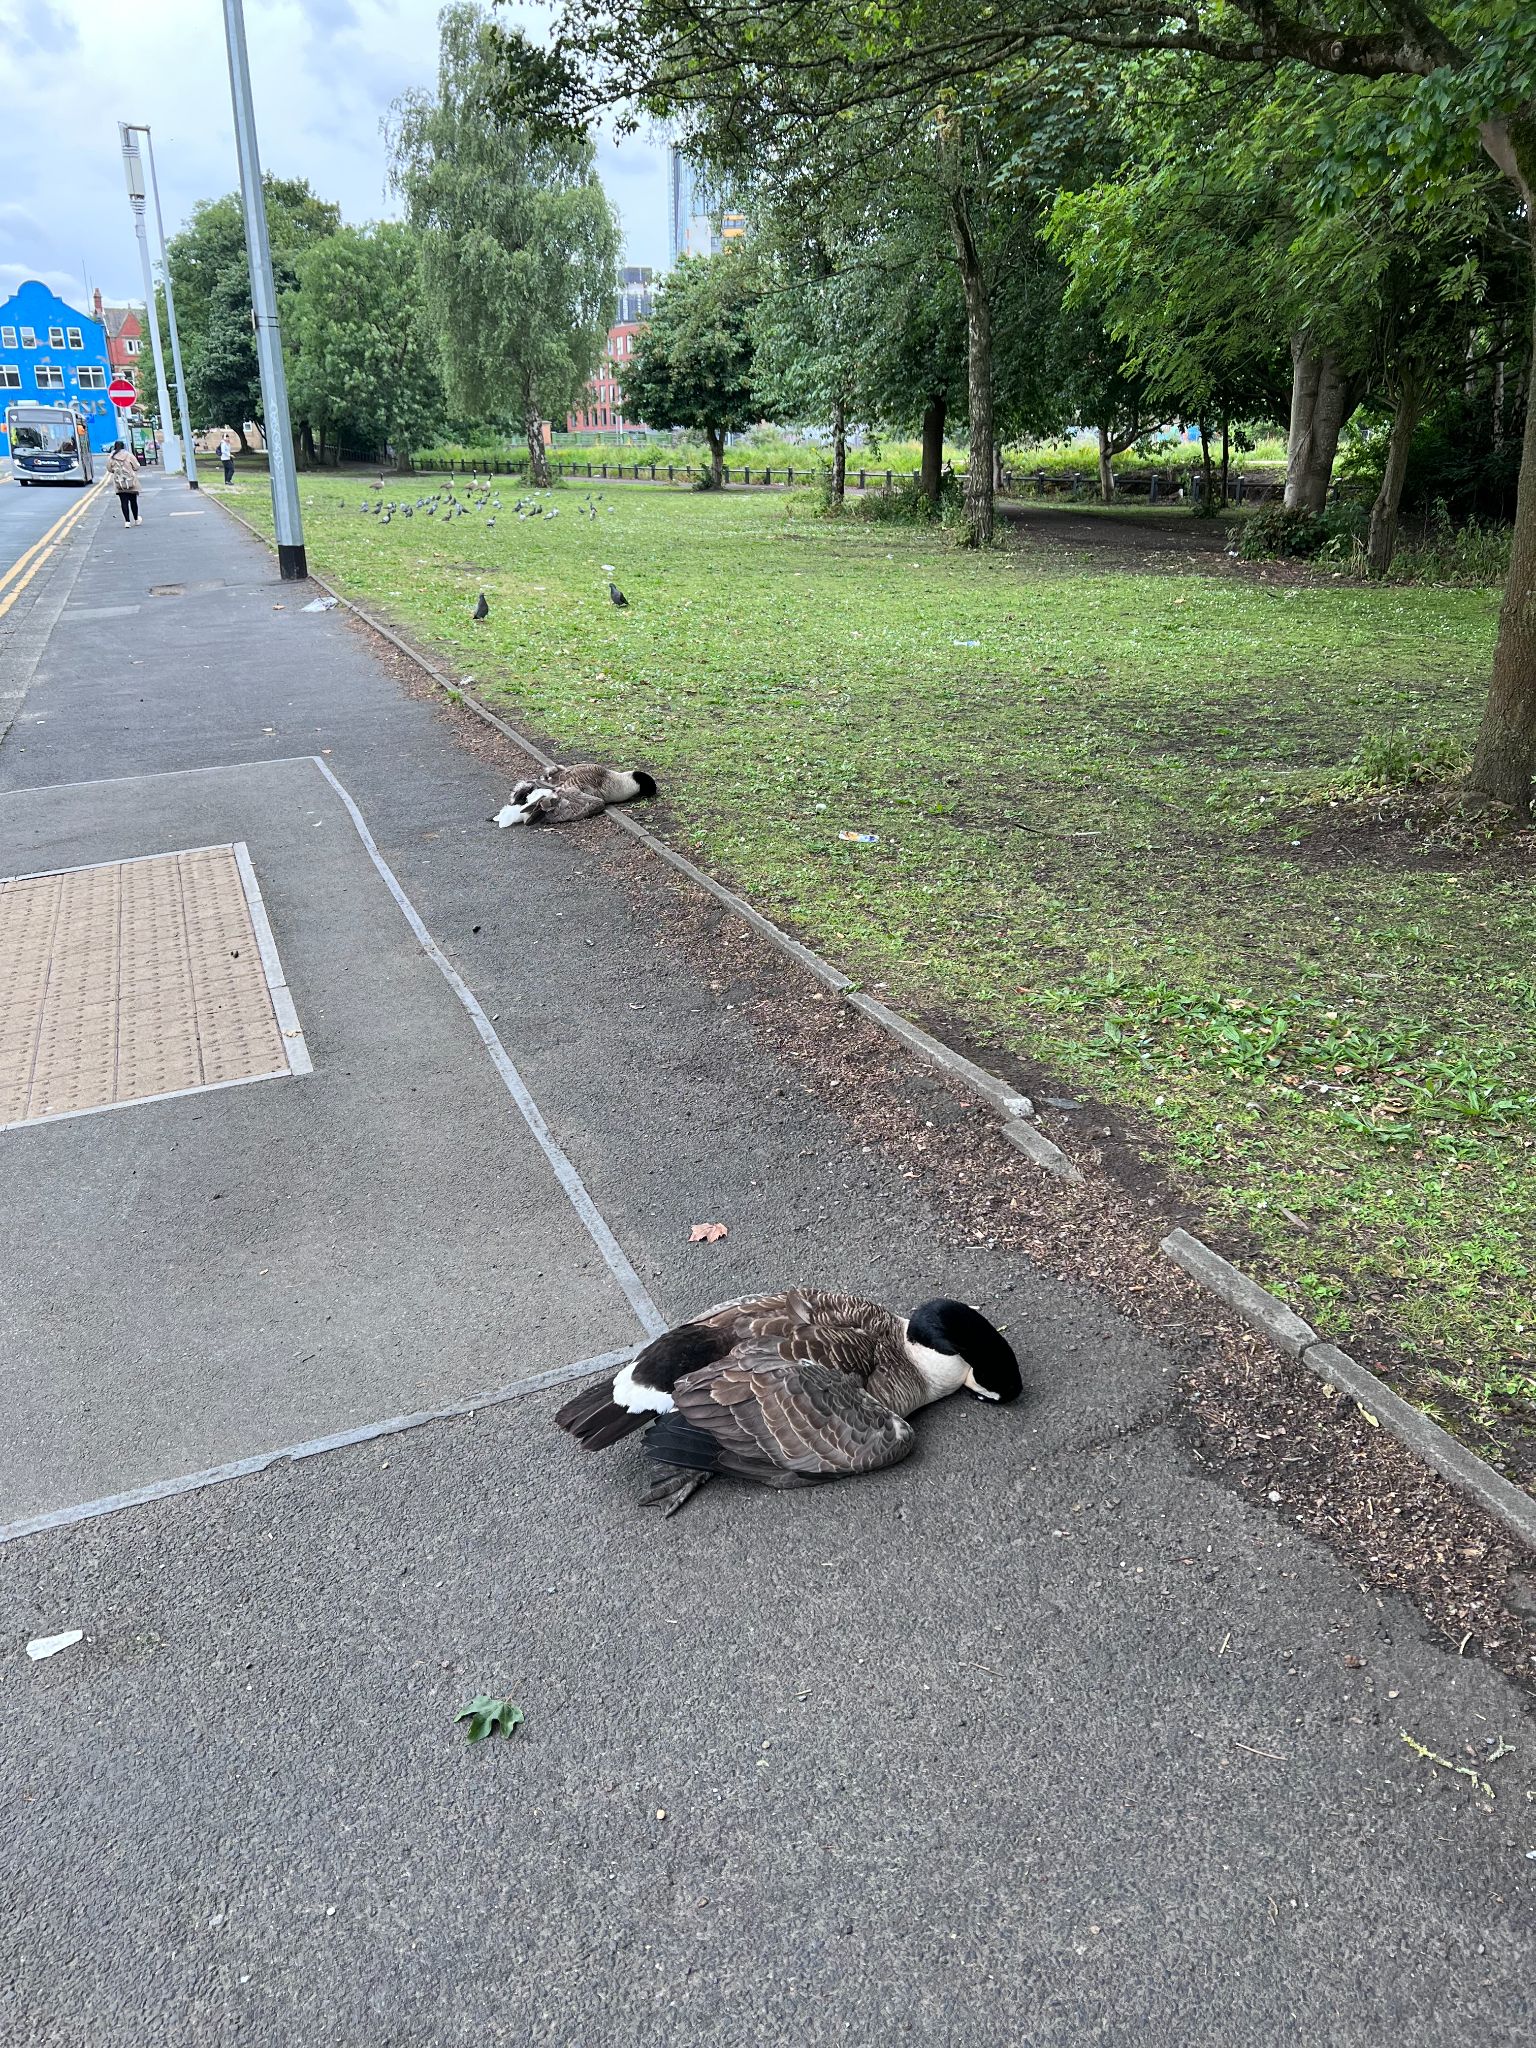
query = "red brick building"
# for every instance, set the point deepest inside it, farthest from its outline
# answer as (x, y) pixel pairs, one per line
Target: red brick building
(603, 411)
(125, 335)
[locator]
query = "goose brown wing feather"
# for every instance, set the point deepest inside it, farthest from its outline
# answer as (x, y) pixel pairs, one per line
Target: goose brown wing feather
(572, 802)
(790, 1421)
(853, 1336)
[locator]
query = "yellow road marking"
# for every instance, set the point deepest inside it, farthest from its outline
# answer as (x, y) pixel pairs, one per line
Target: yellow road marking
(60, 530)
(22, 560)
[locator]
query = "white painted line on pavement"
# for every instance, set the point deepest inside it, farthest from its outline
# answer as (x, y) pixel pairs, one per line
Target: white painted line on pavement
(651, 1318)
(287, 1016)
(340, 1440)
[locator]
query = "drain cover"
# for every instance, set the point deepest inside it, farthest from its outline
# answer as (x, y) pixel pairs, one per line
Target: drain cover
(133, 980)
(167, 589)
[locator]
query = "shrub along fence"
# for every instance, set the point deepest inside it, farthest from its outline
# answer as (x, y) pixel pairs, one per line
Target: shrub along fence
(1168, 486)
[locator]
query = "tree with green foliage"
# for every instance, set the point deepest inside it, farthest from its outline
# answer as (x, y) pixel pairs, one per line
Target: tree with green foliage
(363, 364)
(804, 370)
(212, 281)
(859, 317)
(519, 245)
(1450, 82)
(692, 366)
(1206, 258)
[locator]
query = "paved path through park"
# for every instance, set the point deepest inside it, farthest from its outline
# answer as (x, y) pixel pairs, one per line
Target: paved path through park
(1045, 1737)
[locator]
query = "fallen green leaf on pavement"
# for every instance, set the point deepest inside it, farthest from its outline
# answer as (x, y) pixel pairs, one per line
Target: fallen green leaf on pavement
(485, 1715)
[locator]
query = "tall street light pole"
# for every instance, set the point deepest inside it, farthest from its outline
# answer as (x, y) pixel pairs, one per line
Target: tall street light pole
(170, 452)
(291, 561)
(170, 318)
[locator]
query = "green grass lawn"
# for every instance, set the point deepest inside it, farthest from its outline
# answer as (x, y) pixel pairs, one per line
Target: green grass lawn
(1116, 835)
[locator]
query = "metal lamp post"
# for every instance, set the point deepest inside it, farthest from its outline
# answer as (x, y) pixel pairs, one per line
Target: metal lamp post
(269, 347)
(170, 450)
(170, 317)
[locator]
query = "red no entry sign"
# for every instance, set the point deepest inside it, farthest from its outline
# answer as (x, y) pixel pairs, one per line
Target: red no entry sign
(122, 393)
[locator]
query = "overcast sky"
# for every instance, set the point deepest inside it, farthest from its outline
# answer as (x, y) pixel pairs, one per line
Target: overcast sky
(323, 71)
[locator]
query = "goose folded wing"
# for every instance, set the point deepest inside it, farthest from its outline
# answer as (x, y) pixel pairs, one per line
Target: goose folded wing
(837, 1329)
(790, 1421)
(573, 803)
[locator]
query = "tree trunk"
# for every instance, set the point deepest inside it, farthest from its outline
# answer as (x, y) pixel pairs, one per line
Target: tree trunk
(1498, 406)
(839, 452)
(307, 444)
(1505, 757)
(1106, 466)
(980, 502)
(1205, 468)
(538, 458)
(245, 446)
(1226, 462)
(1322, 399)
(1382, 543)
(929, 481)
(716, 439)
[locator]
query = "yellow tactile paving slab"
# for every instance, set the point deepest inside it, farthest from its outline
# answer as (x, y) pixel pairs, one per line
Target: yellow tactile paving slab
(138, 979)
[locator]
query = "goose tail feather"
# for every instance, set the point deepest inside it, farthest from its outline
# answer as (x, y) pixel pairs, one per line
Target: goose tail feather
(596, 1420)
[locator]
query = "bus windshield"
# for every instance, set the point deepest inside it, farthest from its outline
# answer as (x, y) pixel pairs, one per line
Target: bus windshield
(49, 437)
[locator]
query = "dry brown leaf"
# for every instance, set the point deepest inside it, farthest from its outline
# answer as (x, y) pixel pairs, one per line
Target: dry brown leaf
(707, 1233)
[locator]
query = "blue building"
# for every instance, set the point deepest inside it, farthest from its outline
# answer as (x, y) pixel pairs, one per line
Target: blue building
(54, 354)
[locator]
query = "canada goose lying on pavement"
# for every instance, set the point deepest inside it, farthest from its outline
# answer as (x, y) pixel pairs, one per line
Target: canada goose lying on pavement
(579, 791)
(790, 1389)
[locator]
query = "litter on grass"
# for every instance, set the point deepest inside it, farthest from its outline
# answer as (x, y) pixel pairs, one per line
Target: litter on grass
(860, 838)
(49, 1646)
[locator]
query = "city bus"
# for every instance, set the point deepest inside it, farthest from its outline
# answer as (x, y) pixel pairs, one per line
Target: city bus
(50, 444)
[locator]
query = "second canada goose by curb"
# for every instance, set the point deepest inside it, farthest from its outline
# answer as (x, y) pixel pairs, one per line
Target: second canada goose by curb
(579, 791)
(790, 1389)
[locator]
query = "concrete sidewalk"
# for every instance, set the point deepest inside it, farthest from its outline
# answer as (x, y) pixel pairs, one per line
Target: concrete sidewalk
(1044, 1737)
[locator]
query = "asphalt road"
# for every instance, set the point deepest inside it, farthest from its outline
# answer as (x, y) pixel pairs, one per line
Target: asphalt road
(1044, 1737)
(42, 544)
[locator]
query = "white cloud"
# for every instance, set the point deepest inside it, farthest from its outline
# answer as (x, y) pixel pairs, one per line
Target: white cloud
(323, 74)
(63, 282)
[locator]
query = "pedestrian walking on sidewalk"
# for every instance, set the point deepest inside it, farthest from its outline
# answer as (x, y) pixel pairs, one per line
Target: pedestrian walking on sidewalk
(123, 471)
(227, 457)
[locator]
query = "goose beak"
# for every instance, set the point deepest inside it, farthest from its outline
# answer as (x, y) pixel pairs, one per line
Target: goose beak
(978, 1392)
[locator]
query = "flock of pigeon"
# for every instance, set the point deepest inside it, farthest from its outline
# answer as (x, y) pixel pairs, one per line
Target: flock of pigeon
(446, 504)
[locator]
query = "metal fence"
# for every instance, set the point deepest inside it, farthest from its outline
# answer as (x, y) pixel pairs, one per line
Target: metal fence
(1175, 485)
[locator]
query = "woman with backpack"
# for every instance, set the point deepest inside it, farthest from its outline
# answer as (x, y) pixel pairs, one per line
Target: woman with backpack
(123, 474)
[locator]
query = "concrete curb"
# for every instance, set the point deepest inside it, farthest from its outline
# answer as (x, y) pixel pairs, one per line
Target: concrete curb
(822, 970)
(1035, 1145)
(1471, 1475)
(1463, 1469)
(1007, 1101)
(1285, 1330)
